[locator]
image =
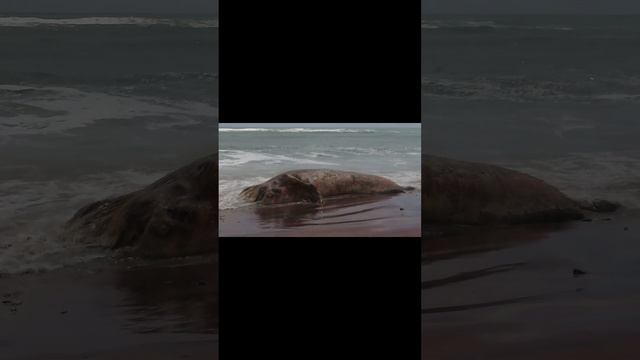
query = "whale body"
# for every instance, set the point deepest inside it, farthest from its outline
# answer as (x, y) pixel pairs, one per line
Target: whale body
(175, 216)
(312, 185)
(461, 192)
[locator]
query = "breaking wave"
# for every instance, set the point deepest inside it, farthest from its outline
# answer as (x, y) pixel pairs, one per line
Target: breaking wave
(296, 130)
(239, 157)
(453, 24)
(521, 89)
(40, 110)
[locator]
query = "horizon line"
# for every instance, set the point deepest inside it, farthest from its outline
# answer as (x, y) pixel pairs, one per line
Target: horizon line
(529, 14)
(196, 13)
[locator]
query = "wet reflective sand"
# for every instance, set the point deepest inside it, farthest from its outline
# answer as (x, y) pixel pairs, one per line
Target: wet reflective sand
(106, 310)
(531, 292)
(375, 215)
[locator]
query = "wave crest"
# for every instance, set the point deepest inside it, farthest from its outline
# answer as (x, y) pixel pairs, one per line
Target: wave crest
(239, 157)
(296, 130)
(41, 110)
(522, 89)
(457, 24)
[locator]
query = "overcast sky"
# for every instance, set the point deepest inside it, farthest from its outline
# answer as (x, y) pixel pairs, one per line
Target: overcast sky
(428, 6)
(531, 6)
(111, 6)
(320, 125)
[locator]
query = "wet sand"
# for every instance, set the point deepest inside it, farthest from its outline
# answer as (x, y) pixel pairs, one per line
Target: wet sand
(361, 216)
(109, 309)
(511, 292)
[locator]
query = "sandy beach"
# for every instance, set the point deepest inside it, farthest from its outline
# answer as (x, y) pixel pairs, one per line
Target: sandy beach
(513, 292)
(112, 309)
(360, 216)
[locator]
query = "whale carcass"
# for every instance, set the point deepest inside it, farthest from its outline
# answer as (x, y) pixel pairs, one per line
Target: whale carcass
(315, 184)
(461, 192)
(175, 216)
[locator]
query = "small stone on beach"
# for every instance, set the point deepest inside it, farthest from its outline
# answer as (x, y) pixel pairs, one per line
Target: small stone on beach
(578, 272)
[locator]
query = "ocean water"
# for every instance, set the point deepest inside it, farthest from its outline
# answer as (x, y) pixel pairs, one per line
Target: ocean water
(88, 107)
(557, 97)
(249, 156)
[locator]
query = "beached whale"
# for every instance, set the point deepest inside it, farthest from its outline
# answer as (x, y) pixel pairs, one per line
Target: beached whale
(460, 192)
(315, 184)
(175, 216)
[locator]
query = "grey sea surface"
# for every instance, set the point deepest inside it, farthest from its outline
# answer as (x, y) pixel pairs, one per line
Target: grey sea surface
(557, 97)
(93, 106)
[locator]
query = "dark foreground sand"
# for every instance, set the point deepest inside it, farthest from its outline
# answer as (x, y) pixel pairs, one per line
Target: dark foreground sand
(511, 293)
(112, 310)
(375, 215)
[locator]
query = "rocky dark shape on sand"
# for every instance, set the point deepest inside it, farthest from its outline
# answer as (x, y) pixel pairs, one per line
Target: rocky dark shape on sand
(460, 192)
(577, 272)
(175, 216)
(314, 185)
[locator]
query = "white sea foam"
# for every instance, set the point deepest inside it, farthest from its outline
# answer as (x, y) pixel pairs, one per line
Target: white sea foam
(430, 26)
(242, 130)
(321, 155)
(522, 89)
(566, 124)
(405, 178)
(41, 110)
(489, 24)
(33, 213)
(356, 150)
(19, 21)
(238, 157)
(296, 130)
(437, 24)
(229, 191)
(617, 97)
